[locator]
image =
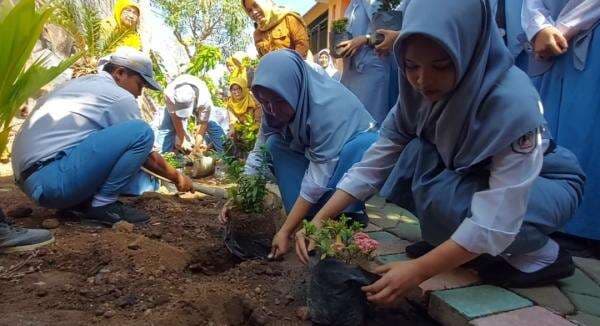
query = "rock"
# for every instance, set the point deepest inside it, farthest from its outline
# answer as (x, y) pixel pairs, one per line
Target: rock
(155, 234)
(109, 314)
(276, 302)
(248, 306)
(289, 299)
(136, 244)
(259, 318)
(126, 301)
(20, 212)
(50, 223)
(161, 299)
(302, 313)
(257, 290)
(234, 310)
(41, 293)
(123, 227)
(100, 312)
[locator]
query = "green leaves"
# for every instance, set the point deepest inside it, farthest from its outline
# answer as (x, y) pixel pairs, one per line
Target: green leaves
(250, 193)
(173, 160)
(335, 239)
(206, 58)
(20, 28)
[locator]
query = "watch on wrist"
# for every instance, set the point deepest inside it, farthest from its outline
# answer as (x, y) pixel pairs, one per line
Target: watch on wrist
(369, 39)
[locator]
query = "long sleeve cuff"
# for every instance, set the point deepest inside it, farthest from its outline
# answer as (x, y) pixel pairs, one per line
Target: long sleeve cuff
(356, 188)
(478, 239)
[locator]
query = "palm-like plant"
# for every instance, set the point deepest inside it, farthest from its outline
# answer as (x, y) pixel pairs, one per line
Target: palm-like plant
(83, 22)
(20, 28)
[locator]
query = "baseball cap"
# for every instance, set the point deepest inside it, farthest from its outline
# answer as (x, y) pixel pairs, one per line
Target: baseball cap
(184, 98)
(135, 60)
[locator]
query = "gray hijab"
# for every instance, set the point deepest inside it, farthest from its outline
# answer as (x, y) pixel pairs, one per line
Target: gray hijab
(493, 104)
(327, 115)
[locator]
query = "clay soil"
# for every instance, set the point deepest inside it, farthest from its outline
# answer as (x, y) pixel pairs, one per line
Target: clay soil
(173, 271)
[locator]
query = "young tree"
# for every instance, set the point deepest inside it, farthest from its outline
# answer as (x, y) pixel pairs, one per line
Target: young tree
(197, 22)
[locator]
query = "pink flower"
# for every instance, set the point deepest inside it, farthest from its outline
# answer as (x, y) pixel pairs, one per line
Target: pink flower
(361, 235)
(365, 243)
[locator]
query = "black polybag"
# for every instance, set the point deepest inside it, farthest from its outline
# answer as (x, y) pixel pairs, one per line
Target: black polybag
(256, 247)
(334, 294)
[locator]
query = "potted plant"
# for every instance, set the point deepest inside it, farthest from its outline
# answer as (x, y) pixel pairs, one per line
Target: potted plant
(251, 226)
(387, 18)
(338, 35)
(337, 272)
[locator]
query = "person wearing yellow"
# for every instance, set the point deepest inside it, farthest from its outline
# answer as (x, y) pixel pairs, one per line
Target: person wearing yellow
(126, 17)
(276, 27)
(241, 104)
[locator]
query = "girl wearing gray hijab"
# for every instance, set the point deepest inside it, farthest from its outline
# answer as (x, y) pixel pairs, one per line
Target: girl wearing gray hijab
(314, 130)
(465, 150)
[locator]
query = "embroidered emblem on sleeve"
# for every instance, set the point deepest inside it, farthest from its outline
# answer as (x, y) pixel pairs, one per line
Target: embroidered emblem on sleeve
(525, 144)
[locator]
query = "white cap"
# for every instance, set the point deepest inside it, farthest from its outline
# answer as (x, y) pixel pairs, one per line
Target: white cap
(184, 98)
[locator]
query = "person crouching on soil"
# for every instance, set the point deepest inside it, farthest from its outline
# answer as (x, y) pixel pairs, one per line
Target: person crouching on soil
(465, 149)
(188, 96)
(85, 143)
(313, 129)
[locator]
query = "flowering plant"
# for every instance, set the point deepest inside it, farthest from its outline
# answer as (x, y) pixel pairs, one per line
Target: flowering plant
(342, 240)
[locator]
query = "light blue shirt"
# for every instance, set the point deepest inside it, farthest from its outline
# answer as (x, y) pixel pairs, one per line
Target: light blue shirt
(69, 114)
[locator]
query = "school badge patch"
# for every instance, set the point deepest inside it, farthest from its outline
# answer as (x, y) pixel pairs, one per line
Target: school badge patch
(526, 144)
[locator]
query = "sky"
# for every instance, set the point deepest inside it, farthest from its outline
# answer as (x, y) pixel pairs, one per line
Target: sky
(300, 6)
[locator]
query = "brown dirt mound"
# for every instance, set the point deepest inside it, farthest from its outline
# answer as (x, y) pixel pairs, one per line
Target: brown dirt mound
(172, 271)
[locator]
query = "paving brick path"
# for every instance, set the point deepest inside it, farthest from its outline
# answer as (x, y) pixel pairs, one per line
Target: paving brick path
(459, 297)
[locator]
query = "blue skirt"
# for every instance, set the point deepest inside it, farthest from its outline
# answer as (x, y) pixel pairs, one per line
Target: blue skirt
(441, 198)
(571, 101)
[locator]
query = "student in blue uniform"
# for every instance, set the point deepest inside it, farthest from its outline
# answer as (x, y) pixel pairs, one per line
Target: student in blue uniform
(464, 149)
(314, 129)
(367, 74)
(84, 144)
(566, 69)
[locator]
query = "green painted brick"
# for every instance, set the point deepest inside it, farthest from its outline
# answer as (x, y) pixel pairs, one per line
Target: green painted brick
(549, 297)
(581, 284)
(386, 259)
(591, 267)
(584, 319)
(458, 306)
(410, 232)
(585, 303)
(380, 219)
(375, 202)
(388, 243)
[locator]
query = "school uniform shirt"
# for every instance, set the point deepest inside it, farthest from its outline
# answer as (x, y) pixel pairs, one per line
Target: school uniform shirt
(497, 213)
(204, 102)
(68, 115)
(576, 16)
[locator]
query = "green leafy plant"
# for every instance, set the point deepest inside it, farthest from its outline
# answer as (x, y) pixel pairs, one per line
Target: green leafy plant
(250, 191)
(206, 58)
(234, 167)
(20, 28)
(340, 26)
(249, 194)
(83, 22)
(174, 160)
(245, 134)
(341, 239)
